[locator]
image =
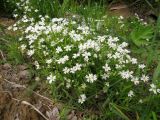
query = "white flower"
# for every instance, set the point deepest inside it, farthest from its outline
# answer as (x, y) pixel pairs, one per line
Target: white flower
(51, 78)
(82, 98)
(153, 88)
(65, 32)
(89, 44)
(45, 53)
(76, 55)
(118, 66)
(107, 84)
(134, 61)
(83, 86)
(140, 101)
(124, 44)
(15, 15)
(15, 28)
(68, 84)
(75, 37)
(106, 68)
(78, 66)
(23, 47)
(41, 40)
(37, 65)
(75, 68)
(145, 78)
(105, 76)
(49, 61)
(63, 60)
(86, 56)
(68, 48)
(141, 66)
(116, 55)
(135, 80)
(58, 50)
(66, 70)
(158, 90)
(35, 10)
(91, 78)
(121, 17)
(37, 79)
(112, 39)
(95, 56)
(126, 74)
(130, 93)
(30, 52)
(9, 28)
(101, 38)
(109, 55)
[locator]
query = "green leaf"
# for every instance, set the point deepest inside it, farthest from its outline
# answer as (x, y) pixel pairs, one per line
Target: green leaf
(140, 35)
(154, 115)
(137, 116)
(117, 111)
(156, 74)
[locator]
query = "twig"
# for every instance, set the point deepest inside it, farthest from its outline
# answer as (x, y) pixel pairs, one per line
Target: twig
(15, 85)
(2, 56)
(43, 96)
(150, 5)
(23, 86)
(32, 106)
(26, 103)
(7, 92)
(134, 3)
(4, 40)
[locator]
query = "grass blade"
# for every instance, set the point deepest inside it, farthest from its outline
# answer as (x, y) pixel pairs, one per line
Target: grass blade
(154, 116)
(117, 111)
(156, 72)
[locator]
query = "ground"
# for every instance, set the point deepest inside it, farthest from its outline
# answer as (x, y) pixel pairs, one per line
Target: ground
(13, 90)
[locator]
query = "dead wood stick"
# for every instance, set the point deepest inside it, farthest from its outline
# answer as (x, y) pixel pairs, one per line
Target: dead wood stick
(23, 86)
(32, 106)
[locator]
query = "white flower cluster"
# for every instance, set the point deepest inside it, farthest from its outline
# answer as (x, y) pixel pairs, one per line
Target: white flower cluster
(73, 52)
(63, 60)
(75, 68)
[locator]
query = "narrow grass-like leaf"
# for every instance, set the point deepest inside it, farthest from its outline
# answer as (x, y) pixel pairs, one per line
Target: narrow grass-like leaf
(137, 116)
(117, 111)
(156, 72)
(154, 116)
